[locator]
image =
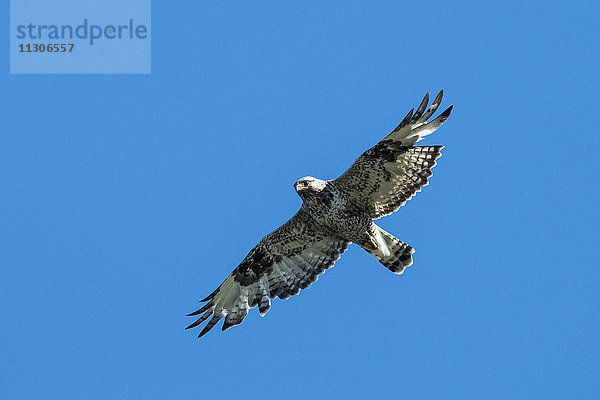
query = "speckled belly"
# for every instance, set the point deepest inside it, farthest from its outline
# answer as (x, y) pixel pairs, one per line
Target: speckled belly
(347, 222)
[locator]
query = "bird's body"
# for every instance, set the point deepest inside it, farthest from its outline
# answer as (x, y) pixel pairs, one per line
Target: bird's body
(336, 211)
(333, 214)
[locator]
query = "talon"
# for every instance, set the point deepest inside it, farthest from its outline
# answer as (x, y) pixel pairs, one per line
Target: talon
(370, 244)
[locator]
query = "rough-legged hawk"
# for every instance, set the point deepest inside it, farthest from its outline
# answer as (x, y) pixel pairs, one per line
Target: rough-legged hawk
(333, 214)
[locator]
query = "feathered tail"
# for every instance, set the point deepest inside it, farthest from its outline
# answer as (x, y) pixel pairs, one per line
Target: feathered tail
(394, 254)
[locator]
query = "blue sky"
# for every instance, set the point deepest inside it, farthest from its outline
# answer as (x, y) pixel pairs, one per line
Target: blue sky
(127, 198)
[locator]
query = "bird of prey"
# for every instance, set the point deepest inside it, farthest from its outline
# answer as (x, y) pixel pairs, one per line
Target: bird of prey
(333, 214)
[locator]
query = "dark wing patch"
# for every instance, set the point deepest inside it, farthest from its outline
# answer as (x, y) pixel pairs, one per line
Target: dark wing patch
(287, 260)
(384, 177)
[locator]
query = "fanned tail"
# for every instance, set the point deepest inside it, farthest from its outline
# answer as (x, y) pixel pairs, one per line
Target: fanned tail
(394, 254)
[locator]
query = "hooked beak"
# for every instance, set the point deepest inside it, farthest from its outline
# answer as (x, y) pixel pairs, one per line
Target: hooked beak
(299, 187)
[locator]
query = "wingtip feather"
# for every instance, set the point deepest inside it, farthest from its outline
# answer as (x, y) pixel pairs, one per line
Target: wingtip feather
(201, 310)
(226, 326)
(210, 296)
(444, 116)
(406, 119)
(421, 108)
(200, 320)
(211, 324)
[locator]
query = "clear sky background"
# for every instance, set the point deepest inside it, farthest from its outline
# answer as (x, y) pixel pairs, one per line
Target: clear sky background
(126, 199)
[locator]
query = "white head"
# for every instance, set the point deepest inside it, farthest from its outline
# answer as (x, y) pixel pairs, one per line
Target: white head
(308, 184)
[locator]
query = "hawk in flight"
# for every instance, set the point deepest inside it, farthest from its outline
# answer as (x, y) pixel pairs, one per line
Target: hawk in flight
(333, 214)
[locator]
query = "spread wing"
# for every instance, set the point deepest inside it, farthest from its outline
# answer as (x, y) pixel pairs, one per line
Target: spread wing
(282, 263)
(384, 177)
